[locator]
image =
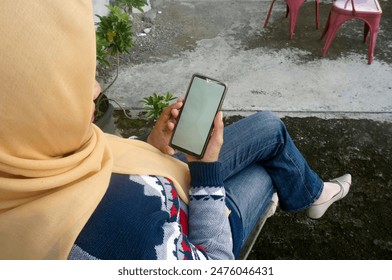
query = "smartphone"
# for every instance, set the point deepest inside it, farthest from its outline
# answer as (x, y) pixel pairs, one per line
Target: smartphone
(203, 100)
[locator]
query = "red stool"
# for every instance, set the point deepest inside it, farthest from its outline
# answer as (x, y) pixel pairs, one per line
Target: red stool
(369, 11)
(292, 10)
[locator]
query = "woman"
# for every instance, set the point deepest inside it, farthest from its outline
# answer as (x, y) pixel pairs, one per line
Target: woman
(67, 190)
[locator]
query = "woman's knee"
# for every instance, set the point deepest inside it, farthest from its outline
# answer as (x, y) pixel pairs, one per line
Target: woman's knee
(269, 122)
(267, 116)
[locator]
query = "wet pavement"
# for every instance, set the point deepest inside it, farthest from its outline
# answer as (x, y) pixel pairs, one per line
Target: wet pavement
(337, 108)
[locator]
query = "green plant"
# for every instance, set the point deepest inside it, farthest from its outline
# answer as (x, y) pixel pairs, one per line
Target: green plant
(155, 104)
(127, 5)
(113, 37)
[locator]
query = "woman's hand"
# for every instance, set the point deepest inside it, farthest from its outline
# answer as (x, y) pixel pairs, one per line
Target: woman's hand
(215, 144)
(163, 129)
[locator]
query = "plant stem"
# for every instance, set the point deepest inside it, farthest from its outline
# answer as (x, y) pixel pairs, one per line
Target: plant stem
(112, 82)
(115, 78)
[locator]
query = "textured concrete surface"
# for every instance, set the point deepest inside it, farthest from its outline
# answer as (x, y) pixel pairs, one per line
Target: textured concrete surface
(264, 69)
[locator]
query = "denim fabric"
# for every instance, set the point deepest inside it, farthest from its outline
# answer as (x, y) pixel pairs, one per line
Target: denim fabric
(258, 157)
(248, 195)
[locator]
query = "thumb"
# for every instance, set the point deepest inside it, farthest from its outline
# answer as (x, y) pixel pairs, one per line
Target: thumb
(218, 127)
(218, 122)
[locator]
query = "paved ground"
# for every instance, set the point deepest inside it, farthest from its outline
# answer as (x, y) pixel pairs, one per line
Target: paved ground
(338, 108)
(264, 69)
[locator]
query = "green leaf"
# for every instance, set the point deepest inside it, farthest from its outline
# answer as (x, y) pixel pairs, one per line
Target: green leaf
(156, 103)
(113, 34)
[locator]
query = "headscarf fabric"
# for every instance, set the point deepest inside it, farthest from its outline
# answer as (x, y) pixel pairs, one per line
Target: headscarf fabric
(55, 165)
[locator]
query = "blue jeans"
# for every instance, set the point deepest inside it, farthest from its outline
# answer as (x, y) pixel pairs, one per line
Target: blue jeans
(259, 158)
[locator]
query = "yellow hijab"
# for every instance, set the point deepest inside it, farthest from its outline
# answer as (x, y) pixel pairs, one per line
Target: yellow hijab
(54, 165)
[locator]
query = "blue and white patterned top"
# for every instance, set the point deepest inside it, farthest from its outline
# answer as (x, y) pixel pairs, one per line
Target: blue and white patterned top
(142, 217)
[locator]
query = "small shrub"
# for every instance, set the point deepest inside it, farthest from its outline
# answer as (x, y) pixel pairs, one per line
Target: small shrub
(113, 37)
(155, 104)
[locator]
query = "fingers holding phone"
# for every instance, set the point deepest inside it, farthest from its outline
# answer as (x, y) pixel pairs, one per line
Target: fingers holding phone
(215, 144)
(198, 117)
(175, 112)
(163, 128)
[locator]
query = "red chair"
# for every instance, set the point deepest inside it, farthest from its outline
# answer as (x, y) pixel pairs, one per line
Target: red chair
(292, 10)
(369, 11)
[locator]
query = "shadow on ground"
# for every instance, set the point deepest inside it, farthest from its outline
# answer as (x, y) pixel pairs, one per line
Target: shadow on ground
(357, 227)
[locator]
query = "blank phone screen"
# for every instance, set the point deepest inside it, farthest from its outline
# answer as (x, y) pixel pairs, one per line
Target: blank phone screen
(201, 105)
